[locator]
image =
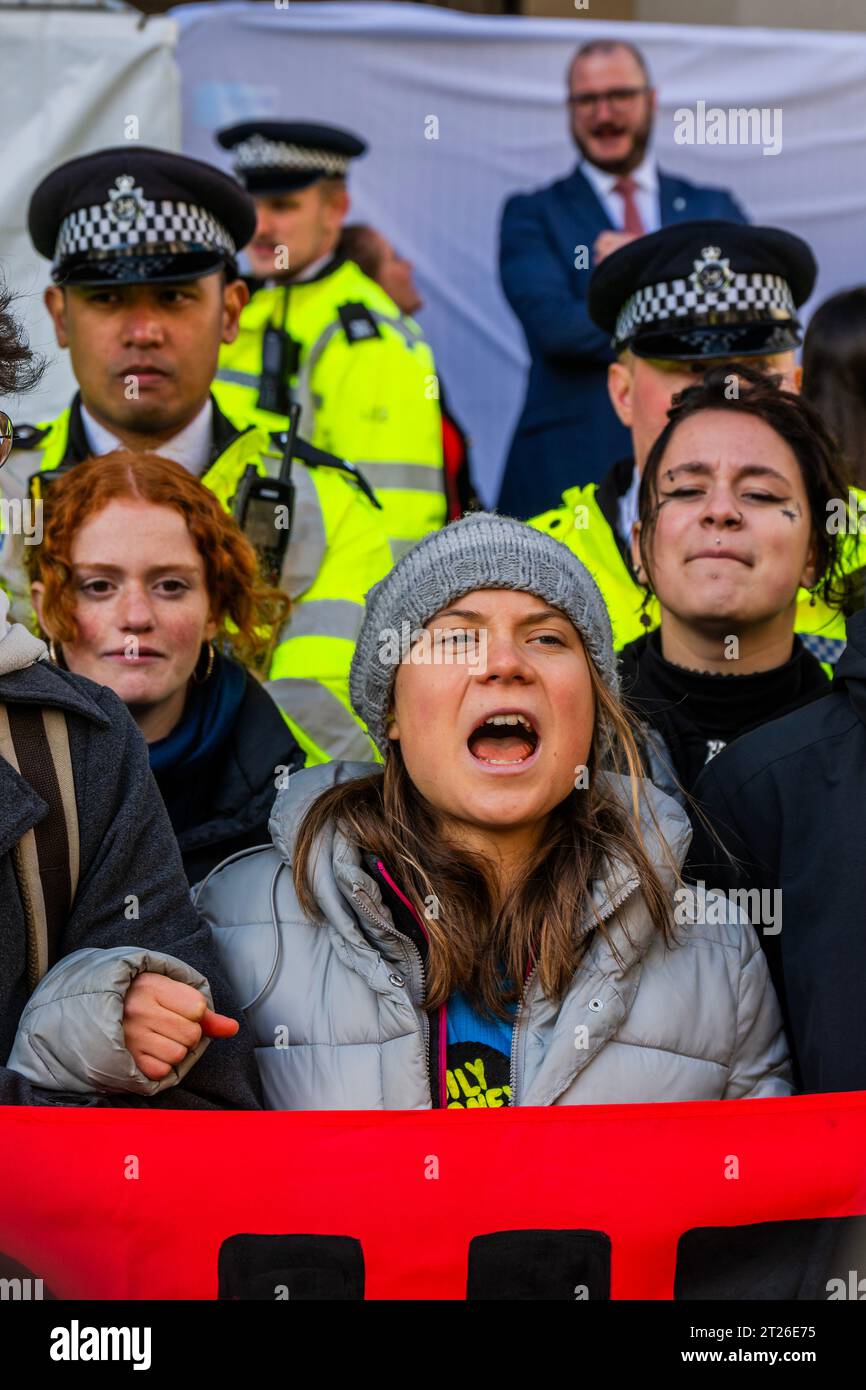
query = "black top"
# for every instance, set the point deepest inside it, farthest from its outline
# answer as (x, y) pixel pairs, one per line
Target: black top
(788, 803)
(221, 803)
(697, 713)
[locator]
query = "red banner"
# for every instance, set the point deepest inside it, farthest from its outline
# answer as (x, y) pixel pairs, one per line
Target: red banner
(137, 1204)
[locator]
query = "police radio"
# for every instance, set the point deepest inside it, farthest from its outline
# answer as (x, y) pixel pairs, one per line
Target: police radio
(264, 507)
(281, 356)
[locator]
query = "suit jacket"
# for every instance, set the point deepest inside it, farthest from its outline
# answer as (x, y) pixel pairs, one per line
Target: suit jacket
(568, 433)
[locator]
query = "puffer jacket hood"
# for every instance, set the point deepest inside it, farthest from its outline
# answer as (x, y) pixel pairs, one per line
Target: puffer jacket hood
(338, 1004)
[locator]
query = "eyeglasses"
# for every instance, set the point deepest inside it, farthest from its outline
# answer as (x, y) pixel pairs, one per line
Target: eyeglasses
(617, 99)
(6, 433)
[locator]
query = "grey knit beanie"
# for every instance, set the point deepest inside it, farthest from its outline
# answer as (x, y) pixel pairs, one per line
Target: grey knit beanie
(481, 551)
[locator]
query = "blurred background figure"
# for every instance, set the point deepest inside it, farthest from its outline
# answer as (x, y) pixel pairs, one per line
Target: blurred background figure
(379, 259)
(144, 584)
(834, 374)
(319, 331)
(550, 241)
(732, 526)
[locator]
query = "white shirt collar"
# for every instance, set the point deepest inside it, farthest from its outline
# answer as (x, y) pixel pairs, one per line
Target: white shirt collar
(646, 176)
(309, 272)
(190, 447)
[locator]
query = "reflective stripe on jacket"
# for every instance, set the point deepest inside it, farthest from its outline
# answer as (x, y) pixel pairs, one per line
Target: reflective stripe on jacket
(581, 524)
(338, 550)
(371, 396)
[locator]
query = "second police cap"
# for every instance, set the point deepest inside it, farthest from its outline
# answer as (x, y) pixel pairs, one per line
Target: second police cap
(133, 214)
(282, 156)
(704, 289)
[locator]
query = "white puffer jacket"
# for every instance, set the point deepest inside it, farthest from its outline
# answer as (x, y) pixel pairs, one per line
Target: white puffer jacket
(339, 1021)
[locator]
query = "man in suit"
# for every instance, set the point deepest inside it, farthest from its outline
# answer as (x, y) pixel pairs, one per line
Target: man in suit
(550, 242)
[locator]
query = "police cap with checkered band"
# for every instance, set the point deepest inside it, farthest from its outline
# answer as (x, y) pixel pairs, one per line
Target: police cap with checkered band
(282, 156)
(704, 289)
(133, 214)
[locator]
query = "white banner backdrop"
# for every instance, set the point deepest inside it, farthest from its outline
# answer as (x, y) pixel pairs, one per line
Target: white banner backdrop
(73, 81)
(462, 110)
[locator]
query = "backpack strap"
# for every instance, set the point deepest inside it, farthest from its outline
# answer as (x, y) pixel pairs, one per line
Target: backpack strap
(36, 743)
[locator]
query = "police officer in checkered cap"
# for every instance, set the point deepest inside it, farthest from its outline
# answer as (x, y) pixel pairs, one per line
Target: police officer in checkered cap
(700, 291)
(319, 331)
(143, 245)
(676, 302)
(282, 156)
(132, 213)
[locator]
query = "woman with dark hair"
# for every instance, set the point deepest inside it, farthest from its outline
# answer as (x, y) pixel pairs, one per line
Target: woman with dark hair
(496, 916)
(733, 507)
(834, 374)
(145, 584)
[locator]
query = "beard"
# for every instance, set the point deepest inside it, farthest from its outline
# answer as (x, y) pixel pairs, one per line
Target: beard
(637, 149)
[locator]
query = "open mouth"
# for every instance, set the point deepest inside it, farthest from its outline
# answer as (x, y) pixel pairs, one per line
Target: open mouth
(504, 739)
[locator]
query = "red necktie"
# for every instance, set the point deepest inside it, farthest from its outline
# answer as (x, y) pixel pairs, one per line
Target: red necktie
(632, 222)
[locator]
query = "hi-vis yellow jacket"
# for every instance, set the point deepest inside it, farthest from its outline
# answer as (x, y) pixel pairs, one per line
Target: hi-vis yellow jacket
(366, 383)
(338, 549)
(585, 523)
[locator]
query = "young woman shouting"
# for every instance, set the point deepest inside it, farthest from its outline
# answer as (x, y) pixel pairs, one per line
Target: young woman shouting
(496, 916)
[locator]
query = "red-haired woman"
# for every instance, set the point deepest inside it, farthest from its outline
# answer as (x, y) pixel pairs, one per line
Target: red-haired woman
(142, 582)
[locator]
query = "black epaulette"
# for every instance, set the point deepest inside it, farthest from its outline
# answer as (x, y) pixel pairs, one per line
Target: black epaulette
(28, 436)
(320, 458)
(358, 322)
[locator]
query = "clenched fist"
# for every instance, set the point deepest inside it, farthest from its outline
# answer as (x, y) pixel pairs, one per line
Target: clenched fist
(163, 1020)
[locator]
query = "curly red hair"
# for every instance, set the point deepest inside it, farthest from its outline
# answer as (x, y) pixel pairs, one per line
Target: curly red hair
(245, 609)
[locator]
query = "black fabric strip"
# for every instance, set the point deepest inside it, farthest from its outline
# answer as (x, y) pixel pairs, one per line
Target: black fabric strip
(52, 841)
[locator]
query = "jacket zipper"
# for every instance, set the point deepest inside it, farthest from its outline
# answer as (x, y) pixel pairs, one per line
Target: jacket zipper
(361, 896)
(608, 911)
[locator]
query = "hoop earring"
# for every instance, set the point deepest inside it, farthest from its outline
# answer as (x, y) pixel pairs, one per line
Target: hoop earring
(200, 680)
(52, 652)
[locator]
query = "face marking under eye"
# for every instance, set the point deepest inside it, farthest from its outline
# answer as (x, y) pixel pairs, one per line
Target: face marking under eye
(792, 515)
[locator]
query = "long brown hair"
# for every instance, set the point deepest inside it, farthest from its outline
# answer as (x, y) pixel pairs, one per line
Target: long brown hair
(473, 935)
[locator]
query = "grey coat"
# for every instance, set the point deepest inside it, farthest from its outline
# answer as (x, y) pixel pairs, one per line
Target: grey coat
(339, 1020)
(131, 912)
